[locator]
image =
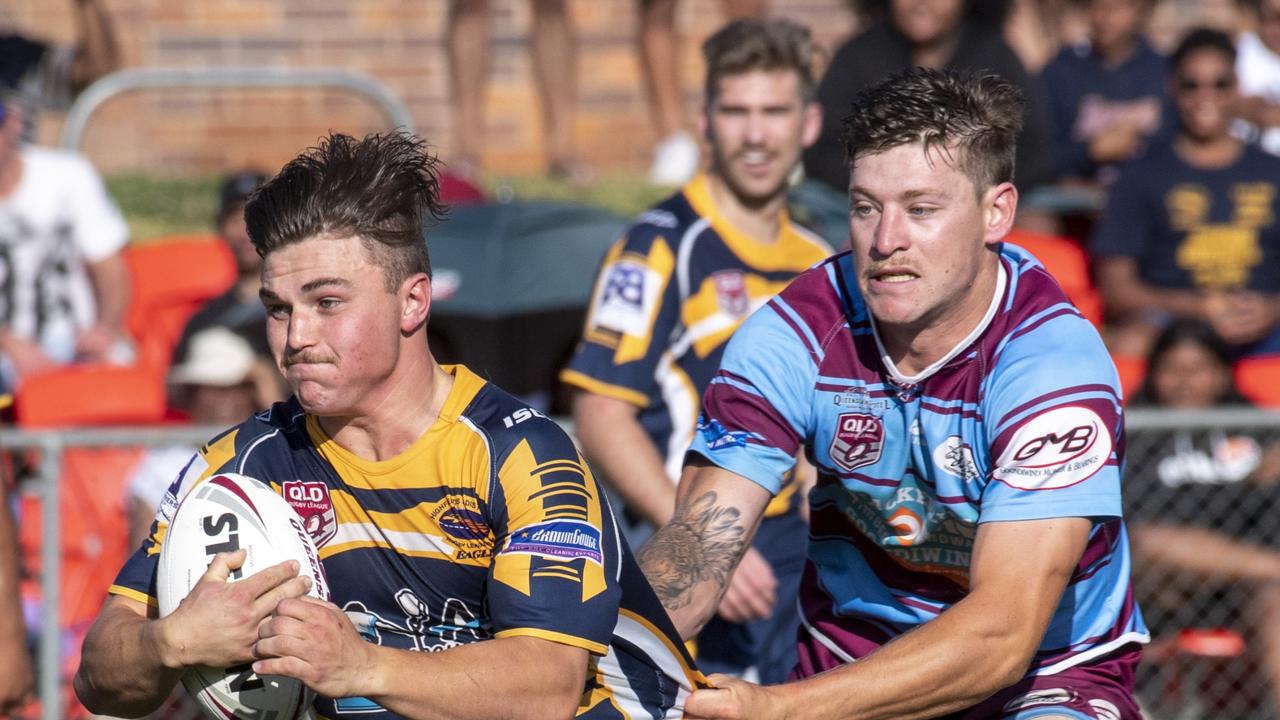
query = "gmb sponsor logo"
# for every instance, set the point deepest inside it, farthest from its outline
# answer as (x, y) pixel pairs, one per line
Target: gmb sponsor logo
(558, 539)
(1055, 449)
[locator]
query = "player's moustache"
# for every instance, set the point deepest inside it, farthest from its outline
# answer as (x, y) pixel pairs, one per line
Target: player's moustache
(306, 359)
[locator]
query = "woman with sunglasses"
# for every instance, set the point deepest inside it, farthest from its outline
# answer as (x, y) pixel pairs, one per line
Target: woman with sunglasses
(1190, 229)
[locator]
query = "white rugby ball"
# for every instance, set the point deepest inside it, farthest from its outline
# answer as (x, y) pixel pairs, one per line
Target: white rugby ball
(229, 512)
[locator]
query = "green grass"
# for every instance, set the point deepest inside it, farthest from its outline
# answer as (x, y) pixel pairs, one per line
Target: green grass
(159, 206)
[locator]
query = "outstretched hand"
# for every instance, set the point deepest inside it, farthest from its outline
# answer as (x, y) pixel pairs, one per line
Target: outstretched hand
(733, 699)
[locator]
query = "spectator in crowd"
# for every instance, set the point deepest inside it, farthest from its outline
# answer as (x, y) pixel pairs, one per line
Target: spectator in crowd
(16, 681)
(555, 72)
(1192, 229)
(220, 382)
(64, 287)
(669, 295)
(1203, 504)
(47, 77)
(967, 556)
(675, 157)
(239, 308)
(1107, 96)
(932, 34)
(1258, 66)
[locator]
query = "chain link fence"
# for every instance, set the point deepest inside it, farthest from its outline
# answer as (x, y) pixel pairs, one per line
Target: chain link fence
(1202, 492)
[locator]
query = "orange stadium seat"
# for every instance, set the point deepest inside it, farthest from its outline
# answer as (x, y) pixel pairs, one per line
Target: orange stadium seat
(1132, 370)
(91, 394)
(1258, 379)
(172, 278)
(1067, 262)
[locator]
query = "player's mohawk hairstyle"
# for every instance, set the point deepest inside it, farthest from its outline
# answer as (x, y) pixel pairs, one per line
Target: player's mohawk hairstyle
(383, 189)
(972, 119)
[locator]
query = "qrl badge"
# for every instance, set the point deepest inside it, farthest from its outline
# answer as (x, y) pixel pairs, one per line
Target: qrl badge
(731, 292)
(311, 501)
(857, 440)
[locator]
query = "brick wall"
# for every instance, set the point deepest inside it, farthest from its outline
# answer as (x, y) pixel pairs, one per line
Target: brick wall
(399, 42)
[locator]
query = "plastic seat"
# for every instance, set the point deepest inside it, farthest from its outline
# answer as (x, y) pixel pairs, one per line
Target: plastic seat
(1258, 379)
(91, 394)
(171, 279)
(1068, 263)
(1132, 370)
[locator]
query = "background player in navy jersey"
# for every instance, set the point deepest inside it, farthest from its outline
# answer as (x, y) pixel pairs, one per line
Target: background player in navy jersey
(670, 293)
(473, 566)
(966, 547)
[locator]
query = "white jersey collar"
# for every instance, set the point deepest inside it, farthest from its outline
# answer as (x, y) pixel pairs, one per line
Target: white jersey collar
(1002, 279)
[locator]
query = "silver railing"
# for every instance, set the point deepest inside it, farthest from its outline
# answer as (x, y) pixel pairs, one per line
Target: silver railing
(1145, 430)
(134, 79)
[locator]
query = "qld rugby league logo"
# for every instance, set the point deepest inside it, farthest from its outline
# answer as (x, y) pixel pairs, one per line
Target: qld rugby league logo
(731, 292)
(857, 440)
(311, 501)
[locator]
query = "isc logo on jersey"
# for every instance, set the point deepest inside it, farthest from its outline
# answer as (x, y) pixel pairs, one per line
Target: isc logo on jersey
(1055, 449)
(626, 297)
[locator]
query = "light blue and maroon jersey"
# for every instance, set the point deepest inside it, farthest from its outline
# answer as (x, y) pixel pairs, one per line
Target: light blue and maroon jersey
(1021, 421)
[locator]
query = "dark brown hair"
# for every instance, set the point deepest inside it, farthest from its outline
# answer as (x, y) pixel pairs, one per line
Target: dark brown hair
(382, 189)
(972, 118)
(752, 44)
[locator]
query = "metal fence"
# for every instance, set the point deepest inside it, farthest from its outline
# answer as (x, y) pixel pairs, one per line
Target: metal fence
(1202, 493)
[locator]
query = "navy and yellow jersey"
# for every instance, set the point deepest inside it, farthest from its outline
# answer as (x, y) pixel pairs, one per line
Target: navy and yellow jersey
(489, 525)
(669, 294)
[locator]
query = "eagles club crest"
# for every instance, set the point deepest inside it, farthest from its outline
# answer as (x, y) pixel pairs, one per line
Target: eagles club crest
(857, 440)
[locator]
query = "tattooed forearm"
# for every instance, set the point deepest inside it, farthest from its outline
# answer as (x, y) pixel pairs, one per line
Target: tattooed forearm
(701, 544)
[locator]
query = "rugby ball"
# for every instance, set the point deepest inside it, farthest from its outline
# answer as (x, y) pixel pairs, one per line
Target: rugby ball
(224, 513)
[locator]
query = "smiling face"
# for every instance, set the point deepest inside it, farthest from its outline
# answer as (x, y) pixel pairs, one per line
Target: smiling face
(923, 243)
(1204, 87)
(758, 124)
(337, 333)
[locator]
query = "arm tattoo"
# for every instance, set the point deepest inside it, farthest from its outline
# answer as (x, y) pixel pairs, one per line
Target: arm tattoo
(701, 544)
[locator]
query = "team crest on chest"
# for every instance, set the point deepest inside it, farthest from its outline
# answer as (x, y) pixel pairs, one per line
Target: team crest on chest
(731, 292)
(311, 501)
(857, 440)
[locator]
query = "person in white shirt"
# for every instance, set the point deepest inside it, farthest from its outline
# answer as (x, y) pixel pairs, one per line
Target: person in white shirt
(64, 287)
(1258, 69)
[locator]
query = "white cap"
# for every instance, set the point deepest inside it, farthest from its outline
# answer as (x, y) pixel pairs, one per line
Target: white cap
(216, 356)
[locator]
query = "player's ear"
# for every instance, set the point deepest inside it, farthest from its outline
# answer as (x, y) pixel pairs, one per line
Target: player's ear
(812, 123)
(415, 302)
(999, 208)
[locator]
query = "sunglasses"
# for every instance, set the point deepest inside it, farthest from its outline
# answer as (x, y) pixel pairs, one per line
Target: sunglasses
(1221, 84)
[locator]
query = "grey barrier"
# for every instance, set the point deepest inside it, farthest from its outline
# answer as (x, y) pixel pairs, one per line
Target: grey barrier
(1183, 686)
(133, 79)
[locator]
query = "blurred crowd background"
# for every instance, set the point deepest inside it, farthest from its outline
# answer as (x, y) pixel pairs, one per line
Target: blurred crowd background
(128, 291)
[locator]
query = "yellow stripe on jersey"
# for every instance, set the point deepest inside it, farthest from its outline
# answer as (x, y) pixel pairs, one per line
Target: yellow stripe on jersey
(563, 639)
(218, 453)
(708, 324)
(525, 482)
(132, 595)
(594, 386)
(781, 502)
(214, 455)
(792, 250)
(600, 692)
(661, 261)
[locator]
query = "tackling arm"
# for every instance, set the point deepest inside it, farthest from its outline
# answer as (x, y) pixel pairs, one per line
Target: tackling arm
(690, 560)
(980, 645)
